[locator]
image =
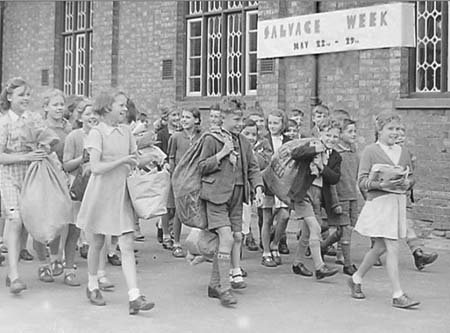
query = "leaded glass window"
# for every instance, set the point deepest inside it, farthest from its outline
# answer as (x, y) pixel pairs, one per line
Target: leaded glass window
(77, 35)
(221, 48)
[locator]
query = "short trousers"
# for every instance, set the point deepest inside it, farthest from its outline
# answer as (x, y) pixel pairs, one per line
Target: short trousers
(349, 214)
(228, 214)
(311, 204)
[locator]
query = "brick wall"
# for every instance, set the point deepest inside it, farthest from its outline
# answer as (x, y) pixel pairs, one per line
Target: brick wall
(28, 44)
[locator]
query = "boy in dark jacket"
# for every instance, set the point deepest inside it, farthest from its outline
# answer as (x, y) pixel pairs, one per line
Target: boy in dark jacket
(318, 168)
(229, 169)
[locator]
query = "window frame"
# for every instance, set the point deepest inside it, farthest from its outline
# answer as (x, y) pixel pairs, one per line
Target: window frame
(203, 15)
(445, 62)
(75, 33)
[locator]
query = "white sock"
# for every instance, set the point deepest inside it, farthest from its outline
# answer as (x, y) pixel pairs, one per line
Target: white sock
(356, 279)
(101, 274)
(133, 294)
(53, 257)
(397, 294)
(92, 282)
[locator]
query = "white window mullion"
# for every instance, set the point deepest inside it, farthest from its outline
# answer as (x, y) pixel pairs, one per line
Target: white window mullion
(194, 57)
(251, 52)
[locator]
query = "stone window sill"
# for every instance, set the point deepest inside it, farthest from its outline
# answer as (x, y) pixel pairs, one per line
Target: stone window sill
(423, 103)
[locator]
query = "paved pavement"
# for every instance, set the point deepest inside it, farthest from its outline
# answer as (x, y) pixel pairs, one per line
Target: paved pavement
(275, 301)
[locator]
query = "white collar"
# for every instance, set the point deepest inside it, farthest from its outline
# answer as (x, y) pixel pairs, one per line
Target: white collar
(108, 130)
(386, 147)
(14, 117)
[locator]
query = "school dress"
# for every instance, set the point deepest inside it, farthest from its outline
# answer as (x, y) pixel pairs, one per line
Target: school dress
(384, 213)
(12, 140)
(106, 207)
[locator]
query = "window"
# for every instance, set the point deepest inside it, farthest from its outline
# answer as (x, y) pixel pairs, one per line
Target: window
(221, 48)
(77, 39)
(431, 54)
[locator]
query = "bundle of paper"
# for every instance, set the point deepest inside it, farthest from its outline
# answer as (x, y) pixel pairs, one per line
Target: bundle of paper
(383, 172)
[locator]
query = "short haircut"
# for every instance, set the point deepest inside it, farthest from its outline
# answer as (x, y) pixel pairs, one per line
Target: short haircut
(291, 122)
(328, 124)
(105, 99)
(346, 123)
(384, 118)
(250, 123)
(321, 108)
(49, 94)
(167, 108)
(295, 112)
(215, 107)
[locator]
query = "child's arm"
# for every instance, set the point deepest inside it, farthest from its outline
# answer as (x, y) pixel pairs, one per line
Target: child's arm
(304, 153)
(332, 175)
(335, 204)
(171, 152)
(254, 173)
(209, 161)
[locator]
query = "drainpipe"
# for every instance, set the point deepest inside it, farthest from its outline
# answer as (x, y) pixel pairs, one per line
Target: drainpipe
(315, 72)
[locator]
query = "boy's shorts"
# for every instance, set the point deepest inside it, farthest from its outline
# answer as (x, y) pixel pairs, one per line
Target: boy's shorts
(311, 204)
(228, 214)
(349, 214)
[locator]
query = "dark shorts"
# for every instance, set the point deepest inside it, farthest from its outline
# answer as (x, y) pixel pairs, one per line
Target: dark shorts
(310, 205)
(228, 214)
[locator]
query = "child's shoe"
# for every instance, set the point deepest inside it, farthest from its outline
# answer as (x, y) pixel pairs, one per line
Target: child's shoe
(237, 281)
(378, 263)
(3, 248)
(16, 286)
(2, 258)
(168, 244)
(95, 297)
(84, 251)
(404, 302)
(422, 258)
(45, 274)
(350, 270)
(355, 289)
(114, 260)
(104, 284)
(227, 298)
(178, 252)
(25, 255)
(71, 280)
(140, 304)
(268, 261)
(214, 292)
(251, 243)
(57, 268)
(325, 271)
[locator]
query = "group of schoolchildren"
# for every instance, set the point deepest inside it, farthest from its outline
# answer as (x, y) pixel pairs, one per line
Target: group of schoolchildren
(99, 138)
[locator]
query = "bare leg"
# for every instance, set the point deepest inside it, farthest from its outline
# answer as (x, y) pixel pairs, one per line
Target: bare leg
(126, 243)
(13, 229)
(392, 266)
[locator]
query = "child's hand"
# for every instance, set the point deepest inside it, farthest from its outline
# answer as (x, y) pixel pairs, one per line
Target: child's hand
(392, 185)
(37, 155)
(130, 160)
(259, 197)
(227, 148)
(338, 210)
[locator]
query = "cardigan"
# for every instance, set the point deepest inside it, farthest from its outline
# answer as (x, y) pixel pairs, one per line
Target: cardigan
(374, 154)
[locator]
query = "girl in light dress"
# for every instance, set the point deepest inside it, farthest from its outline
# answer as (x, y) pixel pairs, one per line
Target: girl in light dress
(106, 208)
(383, 216)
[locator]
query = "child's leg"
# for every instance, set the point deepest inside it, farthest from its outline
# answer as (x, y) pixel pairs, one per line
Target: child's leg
(267, 224)
(70, 247)
(236, 250)
(370, 258)
(280, 229)
(392, 266)
(63, 240)
(226, 242)
(126, 243)
(23, 238)
(96, 244)
(13, 229)
(314, 240)
(345, 243)
(176, 231)
(303, 244)
(260, 223)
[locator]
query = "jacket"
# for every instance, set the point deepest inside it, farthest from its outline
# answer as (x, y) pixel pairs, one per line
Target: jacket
(216, 185)
(331, 173)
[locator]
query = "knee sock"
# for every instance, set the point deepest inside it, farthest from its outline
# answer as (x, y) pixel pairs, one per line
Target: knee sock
(224, 266)
(346, 253)
(215, 274)
(301, 250)
(314, 245)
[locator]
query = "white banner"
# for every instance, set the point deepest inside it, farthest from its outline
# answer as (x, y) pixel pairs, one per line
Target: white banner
(391, 25)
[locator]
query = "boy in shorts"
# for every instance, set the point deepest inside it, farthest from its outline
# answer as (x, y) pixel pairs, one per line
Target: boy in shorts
(229, 170)
(318, 168)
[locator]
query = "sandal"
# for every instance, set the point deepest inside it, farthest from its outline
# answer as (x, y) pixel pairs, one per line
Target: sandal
(276, 256)
(45, 274)
(268, 261)
(178, 252)
(71, 280)
(237, 282)
(168, 244)
(57, 268)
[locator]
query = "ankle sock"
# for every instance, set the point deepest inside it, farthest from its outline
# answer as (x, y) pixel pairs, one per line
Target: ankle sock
(397, 294)
(356, 279)
(133, 294)
(92, 282)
